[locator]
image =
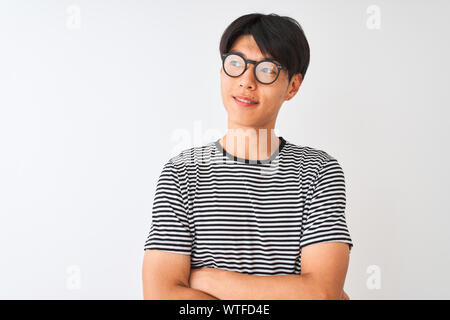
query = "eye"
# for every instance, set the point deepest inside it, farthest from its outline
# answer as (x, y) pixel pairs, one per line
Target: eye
(268, 70)
(236, 63)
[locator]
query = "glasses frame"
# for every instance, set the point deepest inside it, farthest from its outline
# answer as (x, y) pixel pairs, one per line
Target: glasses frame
(255, 63)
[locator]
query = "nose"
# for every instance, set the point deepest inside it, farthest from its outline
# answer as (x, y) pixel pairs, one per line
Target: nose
(247, 79)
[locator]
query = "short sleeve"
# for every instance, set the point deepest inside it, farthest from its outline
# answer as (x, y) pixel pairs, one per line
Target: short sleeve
(324, 217)
(169, 229)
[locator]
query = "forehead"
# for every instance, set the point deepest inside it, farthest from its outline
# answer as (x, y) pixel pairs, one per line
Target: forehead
(248, 48)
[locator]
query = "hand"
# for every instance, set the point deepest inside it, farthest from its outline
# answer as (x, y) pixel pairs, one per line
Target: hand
(344, 296)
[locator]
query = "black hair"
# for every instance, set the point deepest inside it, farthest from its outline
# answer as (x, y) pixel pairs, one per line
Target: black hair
(280, 36)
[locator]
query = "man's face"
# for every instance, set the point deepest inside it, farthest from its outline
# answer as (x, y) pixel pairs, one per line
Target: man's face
(269, 97)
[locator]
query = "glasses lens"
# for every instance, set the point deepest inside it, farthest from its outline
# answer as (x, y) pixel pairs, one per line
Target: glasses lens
(266, 72)
(234, 65)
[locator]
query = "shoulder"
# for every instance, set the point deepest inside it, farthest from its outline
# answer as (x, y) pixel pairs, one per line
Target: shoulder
(314, 164)
(189, 157)
(310, 156)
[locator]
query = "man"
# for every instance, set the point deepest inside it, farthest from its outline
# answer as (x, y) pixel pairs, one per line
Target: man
(251, 215)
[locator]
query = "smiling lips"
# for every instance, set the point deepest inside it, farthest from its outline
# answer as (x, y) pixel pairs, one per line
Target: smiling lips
(244, 101)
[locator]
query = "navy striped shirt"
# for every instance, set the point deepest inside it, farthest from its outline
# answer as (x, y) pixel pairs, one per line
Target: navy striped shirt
(248, 216)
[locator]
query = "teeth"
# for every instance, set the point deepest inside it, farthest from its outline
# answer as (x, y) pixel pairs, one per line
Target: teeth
(245, 101)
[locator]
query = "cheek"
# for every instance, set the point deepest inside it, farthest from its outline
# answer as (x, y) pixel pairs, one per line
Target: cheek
(225, 80)
(271, 99)
(225, 87)
(225, 92)
(277, 94)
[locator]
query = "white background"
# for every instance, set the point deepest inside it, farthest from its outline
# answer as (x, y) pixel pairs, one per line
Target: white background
(95, 98)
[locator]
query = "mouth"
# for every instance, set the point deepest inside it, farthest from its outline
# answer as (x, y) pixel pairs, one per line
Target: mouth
(244, 102)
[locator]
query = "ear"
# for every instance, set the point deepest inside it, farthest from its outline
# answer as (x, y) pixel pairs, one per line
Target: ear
(294, 85)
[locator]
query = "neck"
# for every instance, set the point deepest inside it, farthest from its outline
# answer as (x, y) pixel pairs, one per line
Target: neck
(250, 143)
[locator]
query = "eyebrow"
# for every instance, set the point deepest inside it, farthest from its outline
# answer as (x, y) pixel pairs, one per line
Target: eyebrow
(267, 57)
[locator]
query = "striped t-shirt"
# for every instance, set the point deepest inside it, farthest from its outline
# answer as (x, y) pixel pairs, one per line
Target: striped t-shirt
(248, 216)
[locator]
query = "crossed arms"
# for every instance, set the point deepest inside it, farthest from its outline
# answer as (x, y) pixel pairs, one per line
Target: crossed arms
(168, 275)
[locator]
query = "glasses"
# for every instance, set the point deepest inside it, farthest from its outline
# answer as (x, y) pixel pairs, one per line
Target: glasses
(266, 71)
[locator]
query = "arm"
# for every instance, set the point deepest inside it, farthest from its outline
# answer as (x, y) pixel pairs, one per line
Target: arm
(324, 267)
(165, 276)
